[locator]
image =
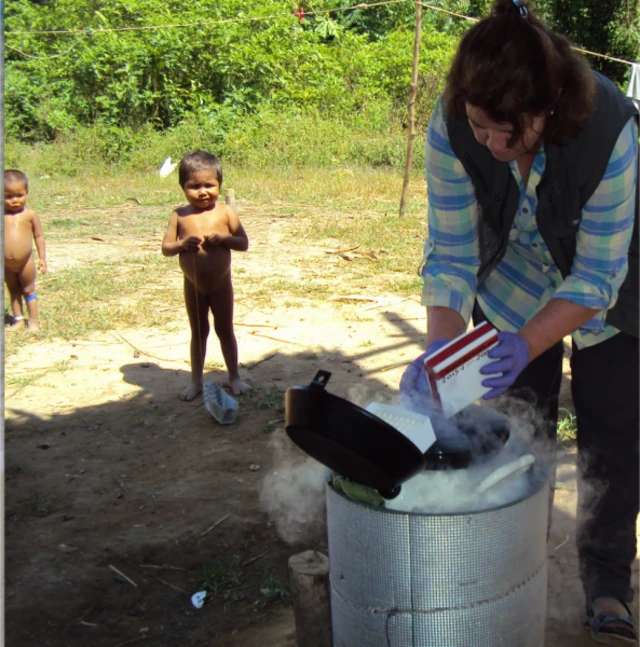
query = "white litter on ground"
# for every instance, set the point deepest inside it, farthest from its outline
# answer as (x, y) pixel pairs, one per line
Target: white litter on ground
(197, 599)
(219, 403)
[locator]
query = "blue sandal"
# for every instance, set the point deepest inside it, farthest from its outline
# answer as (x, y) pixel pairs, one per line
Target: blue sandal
(611, 628)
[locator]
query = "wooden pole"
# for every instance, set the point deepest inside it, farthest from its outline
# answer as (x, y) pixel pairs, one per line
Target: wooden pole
(229, 197)
(410, 107)
(309, 575)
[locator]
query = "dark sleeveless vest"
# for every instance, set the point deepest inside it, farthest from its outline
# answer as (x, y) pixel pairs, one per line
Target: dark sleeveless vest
(571, 175)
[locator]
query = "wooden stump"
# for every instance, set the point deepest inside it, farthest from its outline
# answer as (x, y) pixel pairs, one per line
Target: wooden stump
(229, 197)
(309, 575)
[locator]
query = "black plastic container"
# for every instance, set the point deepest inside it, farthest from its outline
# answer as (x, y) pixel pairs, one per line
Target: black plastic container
(357, 444)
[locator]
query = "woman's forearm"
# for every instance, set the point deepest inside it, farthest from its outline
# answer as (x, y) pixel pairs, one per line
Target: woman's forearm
(555, 321)
(443, 323)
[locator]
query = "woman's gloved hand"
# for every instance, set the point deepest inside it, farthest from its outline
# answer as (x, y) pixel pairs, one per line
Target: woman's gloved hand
(512, 354)
(414, 386)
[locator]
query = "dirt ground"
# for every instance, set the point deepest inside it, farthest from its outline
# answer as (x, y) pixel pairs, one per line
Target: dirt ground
(121, 500)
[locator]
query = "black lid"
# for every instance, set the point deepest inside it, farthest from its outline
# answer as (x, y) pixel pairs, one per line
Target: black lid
(349, 440)
(361, 446)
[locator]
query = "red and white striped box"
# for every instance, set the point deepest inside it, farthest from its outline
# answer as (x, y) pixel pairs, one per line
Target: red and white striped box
(453, 371)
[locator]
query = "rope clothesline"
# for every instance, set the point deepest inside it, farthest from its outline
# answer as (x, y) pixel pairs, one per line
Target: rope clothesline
(42, 58)
(361, 5)
(447, 11)
(610, 58)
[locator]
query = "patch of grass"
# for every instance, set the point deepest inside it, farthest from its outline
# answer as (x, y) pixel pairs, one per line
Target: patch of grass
(395, 242)
(102, 297)
(410, 286)
(344, 206)
(66, 224)
(62, 365)
(220, 575)
(18, 380)
(39, 505)
(272, 589)
(309, 289)
(272, 399)
(567, 427)
(13, 471)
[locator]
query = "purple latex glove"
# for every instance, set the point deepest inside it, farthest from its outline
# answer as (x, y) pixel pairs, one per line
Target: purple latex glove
(512, 355)
(414, 386)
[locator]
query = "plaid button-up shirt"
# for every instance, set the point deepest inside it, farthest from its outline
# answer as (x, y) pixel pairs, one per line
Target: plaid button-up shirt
(526, 278)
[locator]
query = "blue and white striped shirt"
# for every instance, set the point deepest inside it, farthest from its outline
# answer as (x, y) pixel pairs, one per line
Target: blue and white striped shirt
(526, 278)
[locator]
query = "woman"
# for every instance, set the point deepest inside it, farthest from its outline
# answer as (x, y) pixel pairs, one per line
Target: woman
(532, 162)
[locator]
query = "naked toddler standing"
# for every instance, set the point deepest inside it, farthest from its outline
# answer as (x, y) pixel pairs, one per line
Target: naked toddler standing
(21, 227)
(203, 233)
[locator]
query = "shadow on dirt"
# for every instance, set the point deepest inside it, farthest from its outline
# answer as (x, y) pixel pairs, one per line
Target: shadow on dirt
(155, 488)
(116, 514)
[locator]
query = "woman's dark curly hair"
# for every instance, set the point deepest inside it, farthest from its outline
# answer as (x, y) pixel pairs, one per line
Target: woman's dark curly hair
(511, 65)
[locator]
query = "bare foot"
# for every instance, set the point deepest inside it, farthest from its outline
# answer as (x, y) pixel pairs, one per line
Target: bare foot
(191, 392)
(33, 326)
(238, 387)
(18, 325)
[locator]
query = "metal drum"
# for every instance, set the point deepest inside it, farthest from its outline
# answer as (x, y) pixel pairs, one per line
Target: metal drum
(443, 580)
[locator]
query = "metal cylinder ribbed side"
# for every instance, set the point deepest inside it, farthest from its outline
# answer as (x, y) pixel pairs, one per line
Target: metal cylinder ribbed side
(447, 580)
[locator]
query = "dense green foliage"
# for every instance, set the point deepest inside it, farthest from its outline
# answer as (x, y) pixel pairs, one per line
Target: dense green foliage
(131, 79)
(212, 71)
(611, 27)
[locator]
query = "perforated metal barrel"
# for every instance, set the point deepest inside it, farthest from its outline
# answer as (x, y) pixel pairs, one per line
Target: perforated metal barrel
(444, 580)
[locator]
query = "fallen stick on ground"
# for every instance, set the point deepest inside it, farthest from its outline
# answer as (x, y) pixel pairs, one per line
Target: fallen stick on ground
(562, 544)
(353, 297)
(283, 341)
(215, 524)
(133, 640)
(406, 319)
(177, 588)
(142, 352)
(159, 566)
(253, 559)
(121, 574)
(264, 359)
(341, 251)
(121, 484)
(24, 386)
(390, 366)
(385, 303)
(75, 622)
(248, 325)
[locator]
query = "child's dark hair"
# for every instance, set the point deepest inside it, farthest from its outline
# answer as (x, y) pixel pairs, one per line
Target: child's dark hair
(197, 161)
(13, 176)
(510, 64)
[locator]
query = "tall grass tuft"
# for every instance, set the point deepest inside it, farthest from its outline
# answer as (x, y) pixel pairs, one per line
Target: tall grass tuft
(266, 139)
